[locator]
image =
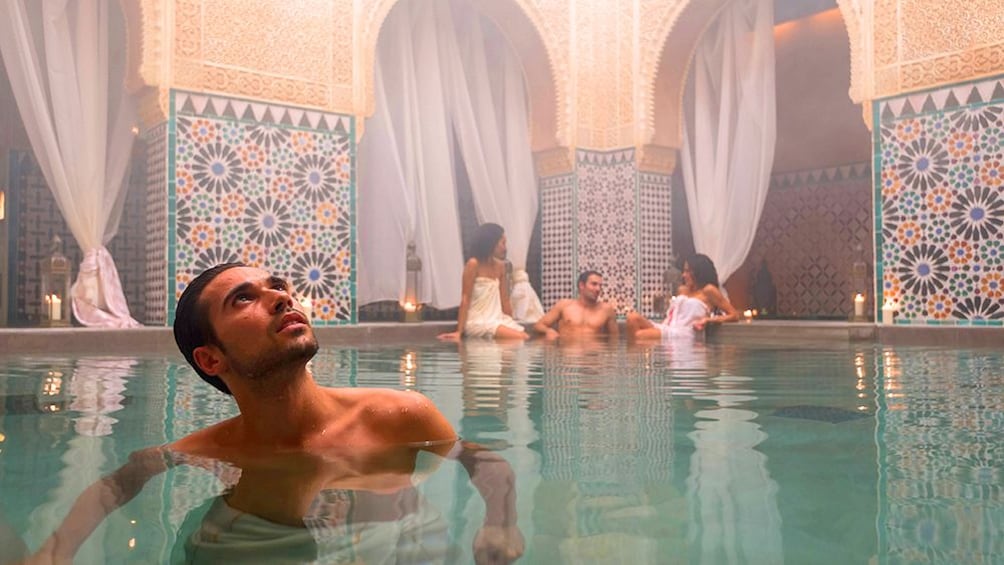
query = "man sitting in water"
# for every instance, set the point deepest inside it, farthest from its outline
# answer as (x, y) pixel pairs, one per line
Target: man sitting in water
(582, 316)
(294, 442)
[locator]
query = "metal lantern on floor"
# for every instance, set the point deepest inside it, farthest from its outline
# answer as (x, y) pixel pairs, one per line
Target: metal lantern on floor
(413, 268)
(55, 286)
(859, 284)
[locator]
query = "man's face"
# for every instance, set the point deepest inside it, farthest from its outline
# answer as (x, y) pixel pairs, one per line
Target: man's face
(260, 328)
(590, 290)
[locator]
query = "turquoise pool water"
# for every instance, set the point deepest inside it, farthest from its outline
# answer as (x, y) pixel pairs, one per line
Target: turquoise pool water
(657, 454)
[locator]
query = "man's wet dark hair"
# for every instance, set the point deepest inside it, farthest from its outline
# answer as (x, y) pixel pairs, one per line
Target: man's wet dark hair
(703, 270)
(191, 321)
(486, 237)
(585, 276)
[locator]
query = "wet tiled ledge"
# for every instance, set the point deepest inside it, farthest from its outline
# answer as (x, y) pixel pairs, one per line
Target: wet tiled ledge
(160, 341)
(779, 332)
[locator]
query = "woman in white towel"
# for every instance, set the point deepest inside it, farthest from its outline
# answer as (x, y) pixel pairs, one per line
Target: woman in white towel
(485, 310)
(691, 309)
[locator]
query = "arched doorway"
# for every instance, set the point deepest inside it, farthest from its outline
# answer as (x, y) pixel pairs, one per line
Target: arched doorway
(815, 229)
(459, 106)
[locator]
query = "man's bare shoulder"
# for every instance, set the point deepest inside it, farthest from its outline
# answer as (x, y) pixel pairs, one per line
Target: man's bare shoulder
(565, 304)
(209, 439)
(375, 399)
(403, 416)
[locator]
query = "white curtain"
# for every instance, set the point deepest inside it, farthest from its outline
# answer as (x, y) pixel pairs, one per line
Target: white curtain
(446, 84)
(728, 140)
(79, 122)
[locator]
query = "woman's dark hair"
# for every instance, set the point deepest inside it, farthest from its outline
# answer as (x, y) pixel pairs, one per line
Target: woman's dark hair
(703, 271)
(192, 328)
(486, 237)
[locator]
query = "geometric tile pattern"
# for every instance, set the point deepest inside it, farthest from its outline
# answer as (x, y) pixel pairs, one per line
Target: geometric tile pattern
(557, 239)
(606, 222)
(155, 283)
(815, 225)
(37, 218)
(941, 459)
(267, 185)
(128, 247)
(656, 237)
(943, 99)
(940, 226)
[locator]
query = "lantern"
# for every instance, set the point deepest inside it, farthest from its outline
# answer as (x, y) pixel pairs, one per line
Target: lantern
(55, 287)
(413, 267)
(859, 284)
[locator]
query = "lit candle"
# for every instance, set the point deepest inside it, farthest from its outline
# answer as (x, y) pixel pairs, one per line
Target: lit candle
(56, 309)
(409, 307)
(748, 315)
(859, 305)
(889, 308)
(308, 308)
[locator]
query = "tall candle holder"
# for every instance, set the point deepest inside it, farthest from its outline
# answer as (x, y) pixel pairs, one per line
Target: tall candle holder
(413, 268)
(55, 286)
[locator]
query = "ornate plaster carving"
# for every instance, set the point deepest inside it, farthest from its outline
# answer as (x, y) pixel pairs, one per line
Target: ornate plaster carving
(659, 20)
(552, 162)
(657, 159)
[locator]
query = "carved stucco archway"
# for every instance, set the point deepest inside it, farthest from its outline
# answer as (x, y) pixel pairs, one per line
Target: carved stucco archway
(684, 27)
(146, 57)
(522, 24)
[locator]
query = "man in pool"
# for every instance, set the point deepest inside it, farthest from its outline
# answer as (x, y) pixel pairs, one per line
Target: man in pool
(584, 316)
(243, 333)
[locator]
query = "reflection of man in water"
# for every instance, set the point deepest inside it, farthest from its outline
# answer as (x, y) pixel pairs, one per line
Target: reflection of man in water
(582, 316)
(293, 441)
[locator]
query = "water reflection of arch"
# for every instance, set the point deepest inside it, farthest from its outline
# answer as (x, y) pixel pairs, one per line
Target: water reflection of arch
(665, 69)
(522, 24)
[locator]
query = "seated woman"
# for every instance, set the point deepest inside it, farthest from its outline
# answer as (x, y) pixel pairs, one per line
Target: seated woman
(691, 309)
(485, 310)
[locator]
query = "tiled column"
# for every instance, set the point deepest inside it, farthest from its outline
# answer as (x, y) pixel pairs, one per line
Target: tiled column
(606, 215)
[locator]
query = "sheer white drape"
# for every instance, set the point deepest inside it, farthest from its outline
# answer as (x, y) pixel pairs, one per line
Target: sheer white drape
(79, 120)
(445, 82)
(730, 132)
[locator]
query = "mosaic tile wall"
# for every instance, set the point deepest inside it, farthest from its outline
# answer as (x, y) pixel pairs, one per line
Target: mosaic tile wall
(128, 247)
(267, 185)
(36, 218)
(815, 225)
(941, 493)
(557, 238)
(655, 244)
(939, 187)
(606, 226)
(155, 283)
